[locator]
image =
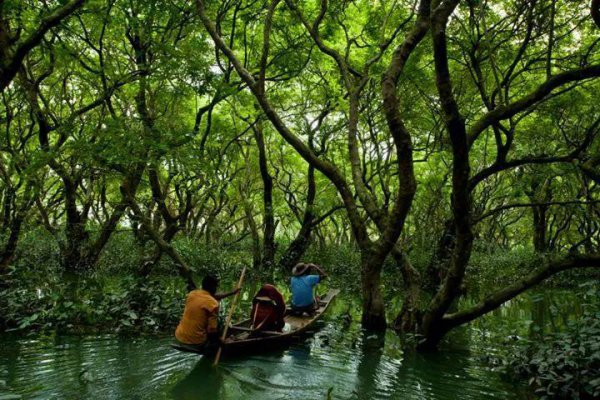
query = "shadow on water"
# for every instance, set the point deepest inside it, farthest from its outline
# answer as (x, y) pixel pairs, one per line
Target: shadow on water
(233, 377)
(371, 351)
(204, 382)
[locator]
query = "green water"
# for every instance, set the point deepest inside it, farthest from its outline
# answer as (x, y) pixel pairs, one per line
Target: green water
(338, 357)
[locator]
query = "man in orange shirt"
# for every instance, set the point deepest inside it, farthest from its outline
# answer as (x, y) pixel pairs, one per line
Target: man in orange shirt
(198, 326)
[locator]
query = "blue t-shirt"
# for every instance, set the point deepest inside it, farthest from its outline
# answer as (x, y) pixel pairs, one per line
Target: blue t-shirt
(302, 289)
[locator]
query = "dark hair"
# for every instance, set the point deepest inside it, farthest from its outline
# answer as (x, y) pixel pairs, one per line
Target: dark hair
(210, 283)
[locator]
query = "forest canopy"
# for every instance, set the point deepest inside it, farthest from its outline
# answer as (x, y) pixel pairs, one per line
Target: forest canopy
(421, 132)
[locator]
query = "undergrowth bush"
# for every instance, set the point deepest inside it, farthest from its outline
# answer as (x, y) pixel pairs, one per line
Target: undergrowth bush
(105, 303)
(565, 364)
(38, 294)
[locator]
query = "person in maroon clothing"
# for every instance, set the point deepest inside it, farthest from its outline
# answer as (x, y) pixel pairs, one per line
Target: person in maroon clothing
(268, 309)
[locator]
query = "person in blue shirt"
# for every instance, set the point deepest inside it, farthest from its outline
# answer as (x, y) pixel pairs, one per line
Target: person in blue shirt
(302, 284)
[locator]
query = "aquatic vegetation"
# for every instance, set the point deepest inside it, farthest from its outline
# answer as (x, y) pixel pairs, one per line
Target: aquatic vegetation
(563, 364)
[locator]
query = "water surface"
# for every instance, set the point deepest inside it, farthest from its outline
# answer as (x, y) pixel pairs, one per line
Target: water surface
(339, 358)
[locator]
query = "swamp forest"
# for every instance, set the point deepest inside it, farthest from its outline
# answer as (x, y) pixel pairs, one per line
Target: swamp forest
(438, 161)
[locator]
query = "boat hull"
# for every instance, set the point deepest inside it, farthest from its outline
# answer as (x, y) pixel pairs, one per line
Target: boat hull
(242, 339)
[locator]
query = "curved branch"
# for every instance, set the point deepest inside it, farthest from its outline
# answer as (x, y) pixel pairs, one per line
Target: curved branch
(354, 88)
(345, 68)
(499, 167)
(266, 44)
(590, 168)
(502, 164)
(398, 131)
(495, 300)
(538, 95)
(527, 205)
(461, 196)
(10, 68)
(184, 270)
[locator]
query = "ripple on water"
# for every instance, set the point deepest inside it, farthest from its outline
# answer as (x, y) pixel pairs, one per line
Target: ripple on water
(353, 364)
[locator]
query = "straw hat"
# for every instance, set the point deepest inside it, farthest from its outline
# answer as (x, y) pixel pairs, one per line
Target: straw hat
(299, 269)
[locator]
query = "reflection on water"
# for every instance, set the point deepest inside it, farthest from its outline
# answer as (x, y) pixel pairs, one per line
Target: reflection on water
(203, 382)
(339, 357)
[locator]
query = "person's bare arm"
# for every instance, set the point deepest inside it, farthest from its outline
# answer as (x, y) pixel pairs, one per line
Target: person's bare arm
(212, 327)
(220, 296)
(319, 270)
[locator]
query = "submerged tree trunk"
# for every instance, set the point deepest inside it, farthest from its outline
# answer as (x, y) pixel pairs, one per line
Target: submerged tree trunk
(373, 309)
(433, 327)
(409, 317)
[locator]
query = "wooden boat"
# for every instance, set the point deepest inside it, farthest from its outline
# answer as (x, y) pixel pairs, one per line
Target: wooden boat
(243, 338)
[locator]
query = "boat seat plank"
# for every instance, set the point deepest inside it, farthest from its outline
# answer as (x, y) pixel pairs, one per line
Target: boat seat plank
(246, 329)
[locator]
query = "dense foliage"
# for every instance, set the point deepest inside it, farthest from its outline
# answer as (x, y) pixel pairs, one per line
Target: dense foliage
(565, 364)
(450, 147)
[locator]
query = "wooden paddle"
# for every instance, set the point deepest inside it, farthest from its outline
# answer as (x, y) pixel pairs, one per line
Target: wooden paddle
(229, 316)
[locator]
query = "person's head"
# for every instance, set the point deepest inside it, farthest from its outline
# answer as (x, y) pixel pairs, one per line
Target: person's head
(210, 283)
(300, 269)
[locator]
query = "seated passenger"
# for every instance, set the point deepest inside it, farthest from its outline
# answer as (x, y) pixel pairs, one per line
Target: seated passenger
(268, 309)
(302, 284)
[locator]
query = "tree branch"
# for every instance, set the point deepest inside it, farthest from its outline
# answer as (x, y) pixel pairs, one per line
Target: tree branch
(495, 300)
(590, 168)
(596, 12)
(10, 68)
(539, 94)
(526, 205)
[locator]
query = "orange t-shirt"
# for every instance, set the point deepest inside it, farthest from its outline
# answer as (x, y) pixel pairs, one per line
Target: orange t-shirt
(199, 318)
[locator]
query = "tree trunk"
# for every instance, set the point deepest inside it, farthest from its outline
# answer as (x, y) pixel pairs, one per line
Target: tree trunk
(298, 247)
(433, 336)
(539, 229)
(373, 310)
(149, 264)
(184, 270)
(268, 254)
(409, 318)
(256, 251)
(72, 249)
(8, 253)
(8, 200)
(433, 327)
(438, 265)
